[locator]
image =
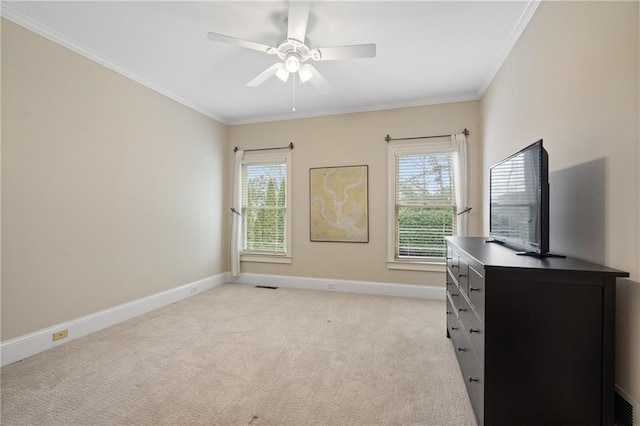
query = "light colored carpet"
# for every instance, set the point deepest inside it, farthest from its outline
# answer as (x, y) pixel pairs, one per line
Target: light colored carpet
(239, 355)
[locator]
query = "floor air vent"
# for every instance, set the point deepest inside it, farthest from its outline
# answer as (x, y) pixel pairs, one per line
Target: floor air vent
(623, 411)
(267, 286)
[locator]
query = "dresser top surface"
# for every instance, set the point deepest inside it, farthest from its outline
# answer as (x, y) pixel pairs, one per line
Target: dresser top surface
(494, 255)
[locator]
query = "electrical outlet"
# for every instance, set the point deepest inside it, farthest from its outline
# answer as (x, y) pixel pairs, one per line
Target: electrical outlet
(194, 288)
(331, 286)
(60, 334)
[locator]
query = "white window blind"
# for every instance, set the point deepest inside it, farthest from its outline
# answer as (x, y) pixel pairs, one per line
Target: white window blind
(425, 210)
(264, 207)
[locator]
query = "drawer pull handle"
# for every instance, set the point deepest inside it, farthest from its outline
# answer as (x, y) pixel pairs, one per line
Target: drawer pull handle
(448, 313)
(474, 289)
(473, 330)
(462, 350)
(471, 380)
(454, 294)
(454, 328)
(462, 310)
(462, 275)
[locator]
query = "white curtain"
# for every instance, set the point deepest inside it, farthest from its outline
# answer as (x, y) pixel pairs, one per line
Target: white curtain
(460, 170)
(236, 224)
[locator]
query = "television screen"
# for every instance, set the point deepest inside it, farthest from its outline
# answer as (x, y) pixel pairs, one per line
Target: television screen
(519, 200)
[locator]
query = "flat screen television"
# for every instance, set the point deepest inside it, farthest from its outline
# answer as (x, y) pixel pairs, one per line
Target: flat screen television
(519, 201)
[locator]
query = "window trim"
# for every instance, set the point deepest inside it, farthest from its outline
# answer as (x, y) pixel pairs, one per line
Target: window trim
(286, 257)
(434, 265)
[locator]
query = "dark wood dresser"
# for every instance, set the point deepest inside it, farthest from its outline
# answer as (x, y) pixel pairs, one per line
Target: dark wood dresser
(534, 337)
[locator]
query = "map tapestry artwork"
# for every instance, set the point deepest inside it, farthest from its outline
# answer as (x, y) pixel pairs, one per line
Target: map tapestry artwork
(339, 204)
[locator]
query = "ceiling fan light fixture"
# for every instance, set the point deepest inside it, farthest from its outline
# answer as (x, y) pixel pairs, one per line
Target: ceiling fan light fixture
(282, 74)
(305, 74)
(294, 51)
(292, 64)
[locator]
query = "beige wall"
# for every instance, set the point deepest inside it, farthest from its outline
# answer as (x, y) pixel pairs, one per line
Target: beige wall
(357, 139)
(0, 179)
(572, 79)
(110, 191)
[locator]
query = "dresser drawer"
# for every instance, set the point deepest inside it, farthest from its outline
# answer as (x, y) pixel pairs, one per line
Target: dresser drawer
(476, 290)
(449, 257)
(453, 260)
(454, 294)
(452, 285)
(473, 327)
(463, 275)
(472, 374)
(452, 310)
(453, 326)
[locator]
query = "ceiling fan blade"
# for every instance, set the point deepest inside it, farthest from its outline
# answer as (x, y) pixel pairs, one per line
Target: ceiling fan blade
(297, 21)
(265, 75)
(240, 42)
(316, 79)
(353, 51)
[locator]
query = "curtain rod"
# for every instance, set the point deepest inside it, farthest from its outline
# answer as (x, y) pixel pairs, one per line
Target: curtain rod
(290, 146)
(389, 138)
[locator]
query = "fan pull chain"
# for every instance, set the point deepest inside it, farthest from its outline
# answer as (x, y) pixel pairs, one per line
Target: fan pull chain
(294, 93)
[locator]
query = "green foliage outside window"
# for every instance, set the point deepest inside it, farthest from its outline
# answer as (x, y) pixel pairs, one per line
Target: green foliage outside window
(421, 231)
(264, 208)
(425, 204)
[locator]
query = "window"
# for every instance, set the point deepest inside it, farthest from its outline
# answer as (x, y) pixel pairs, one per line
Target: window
(422, 203)
(265, 206)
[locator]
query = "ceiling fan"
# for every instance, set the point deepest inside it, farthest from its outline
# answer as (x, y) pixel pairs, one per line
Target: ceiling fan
(295, 51)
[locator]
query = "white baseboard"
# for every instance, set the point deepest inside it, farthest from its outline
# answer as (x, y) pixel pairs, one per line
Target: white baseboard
(30, 344)
(347, 286)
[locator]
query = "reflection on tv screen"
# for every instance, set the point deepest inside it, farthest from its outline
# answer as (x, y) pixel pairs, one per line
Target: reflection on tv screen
(515, 210)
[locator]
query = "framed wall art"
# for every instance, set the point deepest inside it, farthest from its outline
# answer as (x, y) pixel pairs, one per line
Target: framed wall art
(339, 204)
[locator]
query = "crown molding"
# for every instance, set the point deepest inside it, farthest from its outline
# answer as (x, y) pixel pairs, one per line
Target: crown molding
(30, 24)
(526, 15)
(407, 103)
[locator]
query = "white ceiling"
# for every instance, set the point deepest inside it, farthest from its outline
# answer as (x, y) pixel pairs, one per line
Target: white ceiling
(427, 52)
